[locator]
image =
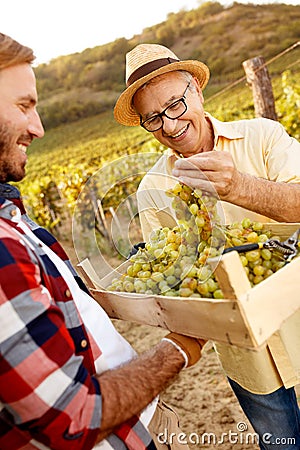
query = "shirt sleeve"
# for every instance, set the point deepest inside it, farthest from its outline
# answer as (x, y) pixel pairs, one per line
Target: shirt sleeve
(282, 155)
(46, 392)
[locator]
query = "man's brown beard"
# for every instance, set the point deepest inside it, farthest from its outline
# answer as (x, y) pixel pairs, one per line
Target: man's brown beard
(8, 170)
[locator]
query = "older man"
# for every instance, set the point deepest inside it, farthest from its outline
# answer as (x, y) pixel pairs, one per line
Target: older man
(253, 166)
(68, 380)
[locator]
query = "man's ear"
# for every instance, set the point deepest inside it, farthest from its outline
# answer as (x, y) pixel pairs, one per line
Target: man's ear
(198, 89)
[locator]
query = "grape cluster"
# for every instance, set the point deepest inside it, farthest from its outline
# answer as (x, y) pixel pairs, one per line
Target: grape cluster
(174, 261)
(258, 264)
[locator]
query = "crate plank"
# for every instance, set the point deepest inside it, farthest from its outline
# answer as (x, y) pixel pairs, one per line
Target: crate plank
(283, 229)
(220, 320)
(230, 275)
(267, 305)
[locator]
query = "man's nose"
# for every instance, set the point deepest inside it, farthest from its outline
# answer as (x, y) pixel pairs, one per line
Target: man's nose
(169, 125)
(35, 126)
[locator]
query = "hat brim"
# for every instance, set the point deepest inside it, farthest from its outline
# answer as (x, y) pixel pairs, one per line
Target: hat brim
(124, 112)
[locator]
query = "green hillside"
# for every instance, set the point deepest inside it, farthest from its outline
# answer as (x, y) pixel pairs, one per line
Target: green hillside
(87, 83)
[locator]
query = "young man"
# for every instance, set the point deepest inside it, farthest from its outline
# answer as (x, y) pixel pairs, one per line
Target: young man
(253, 167)
(68, 379)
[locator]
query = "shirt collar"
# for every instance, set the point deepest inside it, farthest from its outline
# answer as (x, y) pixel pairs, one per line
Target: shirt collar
(9, 191)
(10, 195)
(227, 130)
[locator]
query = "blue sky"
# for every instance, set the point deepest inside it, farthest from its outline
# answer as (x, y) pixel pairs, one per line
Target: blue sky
(68, 26)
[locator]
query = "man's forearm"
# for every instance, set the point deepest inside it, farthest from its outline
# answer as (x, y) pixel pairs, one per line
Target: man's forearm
(279, 201)
(127, 390)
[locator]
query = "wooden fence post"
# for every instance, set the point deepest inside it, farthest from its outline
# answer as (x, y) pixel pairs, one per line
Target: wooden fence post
(257, 76)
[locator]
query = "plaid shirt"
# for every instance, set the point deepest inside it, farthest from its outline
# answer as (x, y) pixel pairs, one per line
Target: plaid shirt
(49, 394)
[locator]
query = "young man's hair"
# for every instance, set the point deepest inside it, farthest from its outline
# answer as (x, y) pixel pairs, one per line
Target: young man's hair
(13, 53)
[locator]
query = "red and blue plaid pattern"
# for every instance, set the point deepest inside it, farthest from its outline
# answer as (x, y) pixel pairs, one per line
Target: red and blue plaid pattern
(48, 392)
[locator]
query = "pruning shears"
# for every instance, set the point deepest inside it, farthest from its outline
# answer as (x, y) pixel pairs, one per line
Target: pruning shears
(288, 248)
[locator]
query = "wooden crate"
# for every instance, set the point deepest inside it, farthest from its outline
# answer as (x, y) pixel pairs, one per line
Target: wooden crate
(246, 317)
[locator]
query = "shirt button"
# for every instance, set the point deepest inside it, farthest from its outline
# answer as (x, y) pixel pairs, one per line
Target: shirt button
(84, 343)
(68, 293)
(13, 212)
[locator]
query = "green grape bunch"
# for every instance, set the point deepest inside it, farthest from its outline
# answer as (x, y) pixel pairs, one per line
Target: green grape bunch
(258, 264)
(175, 262)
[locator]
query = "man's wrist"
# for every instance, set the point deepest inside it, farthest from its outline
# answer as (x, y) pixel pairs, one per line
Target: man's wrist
(185, 357)
(189, 347)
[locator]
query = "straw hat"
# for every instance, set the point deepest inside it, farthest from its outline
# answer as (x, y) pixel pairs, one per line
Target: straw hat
(145, 62)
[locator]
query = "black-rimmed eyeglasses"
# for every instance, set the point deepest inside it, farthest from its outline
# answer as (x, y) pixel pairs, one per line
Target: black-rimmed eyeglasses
(173, 111)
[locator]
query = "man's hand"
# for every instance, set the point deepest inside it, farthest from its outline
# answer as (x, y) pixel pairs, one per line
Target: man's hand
(212, 172)
(215, 174)
(189, 347)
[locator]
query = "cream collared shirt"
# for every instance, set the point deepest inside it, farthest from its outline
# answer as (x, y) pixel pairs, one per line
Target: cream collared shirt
(262, 148)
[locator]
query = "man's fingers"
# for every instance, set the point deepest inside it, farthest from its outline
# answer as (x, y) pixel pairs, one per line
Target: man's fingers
(191, 173)
(198, 183)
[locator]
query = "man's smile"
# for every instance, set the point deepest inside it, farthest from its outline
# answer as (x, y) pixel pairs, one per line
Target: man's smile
(179, 133)
(22, 147)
